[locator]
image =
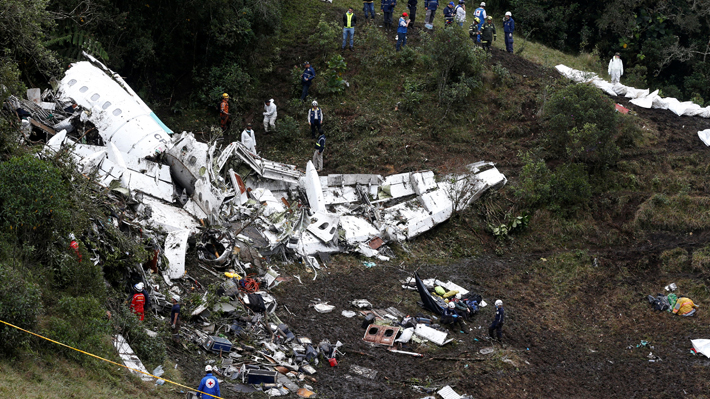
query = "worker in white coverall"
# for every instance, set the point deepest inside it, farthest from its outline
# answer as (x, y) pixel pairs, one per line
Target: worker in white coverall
(248, 138)
(269, 115)
(616, 69)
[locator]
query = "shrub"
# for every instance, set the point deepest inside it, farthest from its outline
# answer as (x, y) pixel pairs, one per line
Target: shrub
(325, 38)
(570, 188)
(20, 305)
(79, 322)
(535, 179)
(451, 58)
(413, 95)
(335, 83)
(151, 350)
(226, 78)
(34, 200)
(582, 124)
(565, 190)
(288, 130)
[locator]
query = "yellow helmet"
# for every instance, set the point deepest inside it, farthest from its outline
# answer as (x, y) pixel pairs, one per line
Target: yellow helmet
(225, 95)
(476, 19)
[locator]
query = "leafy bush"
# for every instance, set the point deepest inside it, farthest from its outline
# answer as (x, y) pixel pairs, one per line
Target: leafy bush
(288, 130)
(20, 305)
(582, 124)
(413, 94)
(325, 38)
(630, 134)
(570, 188)
(226, 78)
(452, 59)
(34, 200)
(534, 188)
(79, 322)
(151, 350)
(565, 190)
(335, 83)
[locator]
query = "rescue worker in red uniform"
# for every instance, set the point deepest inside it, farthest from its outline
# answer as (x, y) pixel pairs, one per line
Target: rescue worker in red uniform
(138, 301)
(224, 111)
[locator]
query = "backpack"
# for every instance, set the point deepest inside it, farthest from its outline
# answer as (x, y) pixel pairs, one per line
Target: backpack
(256, 303)
(659, 302)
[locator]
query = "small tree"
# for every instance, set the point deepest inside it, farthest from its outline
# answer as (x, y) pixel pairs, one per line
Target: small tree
(325, 38)
(582, 124)
(20, 305)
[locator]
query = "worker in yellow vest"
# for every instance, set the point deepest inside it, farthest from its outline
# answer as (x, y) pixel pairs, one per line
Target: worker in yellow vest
(349, 20)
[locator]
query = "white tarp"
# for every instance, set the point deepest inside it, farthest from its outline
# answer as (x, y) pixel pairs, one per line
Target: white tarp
(435, 336)
(701, 346)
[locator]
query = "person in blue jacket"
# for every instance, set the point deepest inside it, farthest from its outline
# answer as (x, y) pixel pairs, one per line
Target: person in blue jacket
(402, 30)
(497, 324)
(508, 29)
(430, 6)
(449, 13)
(208, 385)
(387, 7)
(306, 79)
(480, 13)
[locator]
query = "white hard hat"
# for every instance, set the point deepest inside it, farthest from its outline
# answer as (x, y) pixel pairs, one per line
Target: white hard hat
(458, 296)
(508, 14)
(314, 103)
(139, 287)
(176, 298)
(208, 368)
(483, 4)
(452, 305)
(499, 302)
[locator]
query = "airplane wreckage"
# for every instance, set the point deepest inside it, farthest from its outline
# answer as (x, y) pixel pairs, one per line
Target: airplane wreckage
(180, 185)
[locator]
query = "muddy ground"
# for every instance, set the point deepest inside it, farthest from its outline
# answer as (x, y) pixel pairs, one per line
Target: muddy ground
(569, 332)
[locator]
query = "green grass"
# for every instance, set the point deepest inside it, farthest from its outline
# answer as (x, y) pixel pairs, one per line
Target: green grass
(47, 377)
(548, 57)
(678, 213)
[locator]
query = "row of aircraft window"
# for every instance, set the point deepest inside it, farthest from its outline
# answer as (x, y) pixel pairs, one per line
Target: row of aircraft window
(95, 97)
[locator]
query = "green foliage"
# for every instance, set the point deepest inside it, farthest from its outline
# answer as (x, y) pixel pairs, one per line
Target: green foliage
(151, 350)
(566, 190)
(571, 190)
(229, 78)
(288, 130)
(456, 65)
(502, 75)
(335, 84)
(413, 94)
(73, 40)
(582, 125)
(20, 305)
(22, 27)
(630, 133)
(79, 322)
(34, 199)
(325, 37)
(380, 51)
(503, 231)
(636, 76)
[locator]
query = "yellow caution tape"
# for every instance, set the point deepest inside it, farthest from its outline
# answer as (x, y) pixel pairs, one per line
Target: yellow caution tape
(105, 360)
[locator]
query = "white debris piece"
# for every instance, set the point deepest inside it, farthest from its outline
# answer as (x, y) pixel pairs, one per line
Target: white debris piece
(313, 188)
(448, 393)
(701, 346)
(119, 115)
(129, 357)
(175, 249)
(435, 336)
(705, 136)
